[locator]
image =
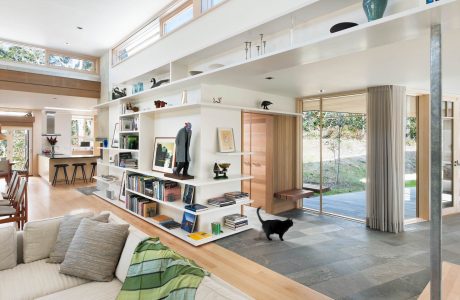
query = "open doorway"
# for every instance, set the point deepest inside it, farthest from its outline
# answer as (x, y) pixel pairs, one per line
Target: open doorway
(17, 147)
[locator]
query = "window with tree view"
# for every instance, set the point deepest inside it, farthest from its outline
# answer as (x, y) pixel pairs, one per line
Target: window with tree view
(21, 53)
(65, 61)
(81, 131)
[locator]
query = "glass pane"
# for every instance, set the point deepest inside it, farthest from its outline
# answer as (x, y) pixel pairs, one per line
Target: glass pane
(449, 109)
(138, 41)
(207, 4)
(71, 63)
(447, 171)
(311, 153)
(344, 156)
(410, 176)
(20, 53)
(20, 149)
(178, 20)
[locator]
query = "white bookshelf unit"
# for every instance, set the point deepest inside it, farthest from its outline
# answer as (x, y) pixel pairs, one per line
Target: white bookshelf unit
(241, 85)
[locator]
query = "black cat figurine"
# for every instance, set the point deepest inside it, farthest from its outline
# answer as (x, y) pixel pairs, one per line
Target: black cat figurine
(275, 226)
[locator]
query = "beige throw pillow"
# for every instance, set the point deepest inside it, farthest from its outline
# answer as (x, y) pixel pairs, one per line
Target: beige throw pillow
(39, 238)
(69, 226)
(8, 246)
(95, 250)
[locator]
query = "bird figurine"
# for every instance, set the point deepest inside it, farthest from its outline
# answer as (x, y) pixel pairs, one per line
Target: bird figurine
(265, 104)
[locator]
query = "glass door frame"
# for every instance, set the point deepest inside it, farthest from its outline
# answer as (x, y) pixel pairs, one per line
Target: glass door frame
(321, 98)
(29, 143)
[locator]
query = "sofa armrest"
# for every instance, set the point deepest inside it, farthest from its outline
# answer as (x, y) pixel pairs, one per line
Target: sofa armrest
(20, 243)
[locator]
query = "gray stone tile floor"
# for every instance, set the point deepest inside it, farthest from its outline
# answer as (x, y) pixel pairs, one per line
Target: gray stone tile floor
(343, 259)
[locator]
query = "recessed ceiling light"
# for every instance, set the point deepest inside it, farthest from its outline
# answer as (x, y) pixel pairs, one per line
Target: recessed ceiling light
(79, 27)
(321, 91)
(269, 78)
(67, 43)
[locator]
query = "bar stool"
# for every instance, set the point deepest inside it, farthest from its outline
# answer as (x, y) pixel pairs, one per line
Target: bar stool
(75, 167)
(93, 171)
(57, 167)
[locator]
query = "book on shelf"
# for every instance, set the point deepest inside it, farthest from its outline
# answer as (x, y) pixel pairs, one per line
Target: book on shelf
(162, 190)
(196, 207)
(199, 235)
(236, 195)
(189, 194)
(130, 142)
(234, 227)
(221, 201)
(141, 206)
(188, 222)
(161, 218)
(170, 224)
(129, 124)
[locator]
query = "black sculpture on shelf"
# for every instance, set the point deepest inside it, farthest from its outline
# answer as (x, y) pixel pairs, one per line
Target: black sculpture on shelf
(156, 83)
(265, 104)
(220, 170)
(116, 93)
(182, 163)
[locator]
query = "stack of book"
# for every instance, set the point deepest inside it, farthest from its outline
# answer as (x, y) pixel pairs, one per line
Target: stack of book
(221, 201)
(237, 196)
(166, 221)
(141, 206)
(235, 221)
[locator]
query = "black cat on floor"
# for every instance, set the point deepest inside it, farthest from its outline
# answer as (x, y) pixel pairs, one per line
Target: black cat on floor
(275, 226)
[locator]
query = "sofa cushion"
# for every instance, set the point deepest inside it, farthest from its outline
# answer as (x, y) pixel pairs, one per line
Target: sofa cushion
(39, 238)
(8, 242)
(67, 229)
(134, 238)
(33, 280)
(95, 250)
(88, 291)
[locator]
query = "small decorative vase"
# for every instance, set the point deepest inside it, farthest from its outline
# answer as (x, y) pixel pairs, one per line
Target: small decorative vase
(374, 9)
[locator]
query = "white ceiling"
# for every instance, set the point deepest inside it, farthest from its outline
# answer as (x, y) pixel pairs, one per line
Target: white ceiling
(52, 23)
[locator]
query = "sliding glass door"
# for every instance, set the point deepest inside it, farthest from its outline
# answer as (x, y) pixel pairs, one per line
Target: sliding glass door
(335, 154)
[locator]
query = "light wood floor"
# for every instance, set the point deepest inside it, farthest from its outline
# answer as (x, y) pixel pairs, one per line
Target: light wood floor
(257, 281)
(450, 283)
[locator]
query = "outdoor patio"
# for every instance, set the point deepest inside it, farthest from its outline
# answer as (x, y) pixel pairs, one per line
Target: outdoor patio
(354, 204)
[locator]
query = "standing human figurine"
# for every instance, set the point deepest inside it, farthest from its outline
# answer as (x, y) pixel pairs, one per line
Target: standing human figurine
(183, 138)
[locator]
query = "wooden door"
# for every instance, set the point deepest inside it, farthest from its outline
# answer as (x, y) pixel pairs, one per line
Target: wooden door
(257, 138)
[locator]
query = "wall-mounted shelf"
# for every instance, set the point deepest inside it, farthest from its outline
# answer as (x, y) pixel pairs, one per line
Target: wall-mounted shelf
(415, 21)
(235, 153)
(101, 179)
(129, 131)
(181, 205)
(179, 233)
(118, 149)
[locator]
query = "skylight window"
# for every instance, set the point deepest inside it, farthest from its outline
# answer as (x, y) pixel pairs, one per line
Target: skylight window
(65, 61)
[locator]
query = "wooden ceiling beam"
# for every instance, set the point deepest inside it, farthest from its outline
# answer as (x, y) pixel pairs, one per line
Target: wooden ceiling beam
(46, 84)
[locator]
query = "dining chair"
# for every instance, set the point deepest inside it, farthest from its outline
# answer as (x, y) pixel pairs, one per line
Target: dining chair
(18, 212)
(11, 188)
(5, 170)
(25, 170)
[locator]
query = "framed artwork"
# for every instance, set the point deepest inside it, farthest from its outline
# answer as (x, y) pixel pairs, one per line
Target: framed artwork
(226, 139)
(122, 195)
(189, 192)
(164, 154)
(188, 222)
(116, 133)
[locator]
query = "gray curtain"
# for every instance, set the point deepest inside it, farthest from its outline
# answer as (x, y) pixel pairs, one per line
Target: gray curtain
(386, 114)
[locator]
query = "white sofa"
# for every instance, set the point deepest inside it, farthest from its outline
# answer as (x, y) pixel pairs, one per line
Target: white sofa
(36, 279)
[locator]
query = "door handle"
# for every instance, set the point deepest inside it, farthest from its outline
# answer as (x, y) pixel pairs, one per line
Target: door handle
(456, 164)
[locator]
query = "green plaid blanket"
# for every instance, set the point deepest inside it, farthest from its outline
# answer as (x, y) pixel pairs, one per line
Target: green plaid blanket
(157, 272)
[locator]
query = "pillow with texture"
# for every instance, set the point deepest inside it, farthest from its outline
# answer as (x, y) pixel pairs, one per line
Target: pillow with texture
(8, 242)
(69, 226)
(95, 250)
(39, 238)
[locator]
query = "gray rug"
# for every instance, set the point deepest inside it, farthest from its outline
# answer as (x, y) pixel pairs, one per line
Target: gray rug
(344, 260)
(87, 190)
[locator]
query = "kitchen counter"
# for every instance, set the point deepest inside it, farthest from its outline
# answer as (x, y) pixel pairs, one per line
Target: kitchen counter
(46, 167)
(66, 156)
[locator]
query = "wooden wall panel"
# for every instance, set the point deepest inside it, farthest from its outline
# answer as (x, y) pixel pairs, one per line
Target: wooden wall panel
(423, 157)
(45, 84)
(285, 160)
